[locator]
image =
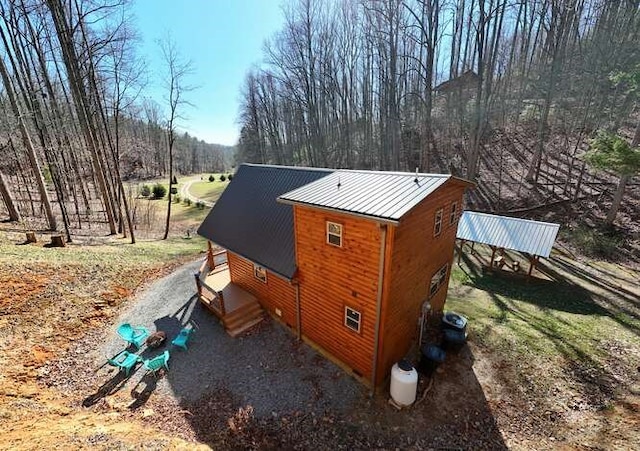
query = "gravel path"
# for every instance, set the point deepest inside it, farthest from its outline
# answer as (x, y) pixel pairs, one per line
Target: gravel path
(267, 369)
(186, 194)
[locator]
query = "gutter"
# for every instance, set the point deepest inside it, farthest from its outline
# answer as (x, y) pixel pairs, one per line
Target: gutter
(383, 248)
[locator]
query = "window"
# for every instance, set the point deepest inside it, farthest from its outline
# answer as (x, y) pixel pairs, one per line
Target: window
(260, 273)
(352, 319)
(437, 227)
(334, 233)
(454, 213)
(438, 280)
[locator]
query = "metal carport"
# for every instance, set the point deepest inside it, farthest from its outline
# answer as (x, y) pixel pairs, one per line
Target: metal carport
(533, 238)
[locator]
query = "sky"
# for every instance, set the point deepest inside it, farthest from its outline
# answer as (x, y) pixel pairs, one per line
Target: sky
(223, 39)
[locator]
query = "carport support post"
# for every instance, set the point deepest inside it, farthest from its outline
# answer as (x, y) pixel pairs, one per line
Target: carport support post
(460, 251)
(533, 260)
(493, 255)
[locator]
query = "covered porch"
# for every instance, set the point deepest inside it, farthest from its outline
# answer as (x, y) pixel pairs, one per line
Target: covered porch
(237, 309)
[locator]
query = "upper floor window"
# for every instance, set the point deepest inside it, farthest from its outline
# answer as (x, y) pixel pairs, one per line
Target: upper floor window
(334, 233)
(437, 226)
(260, 273)
(438, 280)
(454, 213)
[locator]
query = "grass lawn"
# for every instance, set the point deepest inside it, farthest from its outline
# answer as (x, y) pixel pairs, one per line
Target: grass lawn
(182, 213)
(207, 190)
(563, 347)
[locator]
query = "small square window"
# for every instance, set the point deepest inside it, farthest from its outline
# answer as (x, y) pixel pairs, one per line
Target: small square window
(454, 213)
(334, 233)
(437, 226)
(260, 273)
(438, 280)
(352, 319)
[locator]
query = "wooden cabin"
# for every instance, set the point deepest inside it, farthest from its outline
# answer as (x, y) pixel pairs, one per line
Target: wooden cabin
(346, 259)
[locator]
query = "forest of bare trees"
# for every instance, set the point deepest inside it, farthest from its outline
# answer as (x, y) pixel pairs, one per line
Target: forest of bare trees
(73, 123)
(507, 93)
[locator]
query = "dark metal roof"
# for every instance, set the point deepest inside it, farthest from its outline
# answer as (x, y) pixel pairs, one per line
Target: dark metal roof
(248, 220)
(385, 196)
(524, 235)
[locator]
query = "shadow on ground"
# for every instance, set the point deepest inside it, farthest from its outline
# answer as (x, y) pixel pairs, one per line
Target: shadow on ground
(582, 357)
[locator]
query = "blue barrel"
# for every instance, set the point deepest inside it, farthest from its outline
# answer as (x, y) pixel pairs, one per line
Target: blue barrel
(454, 339)
(431, 357)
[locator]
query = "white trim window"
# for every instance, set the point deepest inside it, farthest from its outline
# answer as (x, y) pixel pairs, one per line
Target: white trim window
(260, 273)
(334, 234)
(437, 225)
(438, 280)
(352, 319)
(454, 213)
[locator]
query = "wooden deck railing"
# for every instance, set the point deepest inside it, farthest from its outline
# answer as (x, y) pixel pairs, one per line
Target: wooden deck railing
(210, 298)
(219, 258)
(216, 259)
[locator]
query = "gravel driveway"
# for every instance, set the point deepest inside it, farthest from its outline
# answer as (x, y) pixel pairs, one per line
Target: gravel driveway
(266, 369)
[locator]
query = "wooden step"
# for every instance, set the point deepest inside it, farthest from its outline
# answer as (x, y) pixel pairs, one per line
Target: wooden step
(231, 323)
(244, 327)
(244, 311)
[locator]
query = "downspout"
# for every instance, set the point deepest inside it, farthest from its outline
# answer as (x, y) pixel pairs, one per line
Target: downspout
(383, 248)
(296, 283)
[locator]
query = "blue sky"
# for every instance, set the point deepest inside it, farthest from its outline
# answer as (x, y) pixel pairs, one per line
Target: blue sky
(223, 39)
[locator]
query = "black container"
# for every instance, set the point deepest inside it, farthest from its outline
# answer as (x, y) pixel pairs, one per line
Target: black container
(454, 321)
(431, 356)
(453, 339)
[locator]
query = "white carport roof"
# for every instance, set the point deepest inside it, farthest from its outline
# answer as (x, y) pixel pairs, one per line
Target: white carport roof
(524, 235)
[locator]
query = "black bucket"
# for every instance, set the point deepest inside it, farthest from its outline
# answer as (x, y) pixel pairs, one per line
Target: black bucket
(431, 357)
(452, 320)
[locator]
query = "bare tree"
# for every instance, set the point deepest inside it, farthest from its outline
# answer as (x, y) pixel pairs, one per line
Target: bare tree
(178, 72)
(31, 152)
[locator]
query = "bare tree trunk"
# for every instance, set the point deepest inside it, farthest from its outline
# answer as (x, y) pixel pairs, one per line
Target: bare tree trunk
(31, 152)
(14, 215)
(80, 100)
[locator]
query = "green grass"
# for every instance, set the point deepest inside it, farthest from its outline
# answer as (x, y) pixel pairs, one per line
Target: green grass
(548, 333)
(188, 214)
(117, 251)
(553, 318)
(207, 190)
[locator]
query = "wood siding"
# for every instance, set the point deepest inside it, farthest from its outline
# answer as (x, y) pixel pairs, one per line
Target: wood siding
(415, 255)
(277, 293)
(333, 277)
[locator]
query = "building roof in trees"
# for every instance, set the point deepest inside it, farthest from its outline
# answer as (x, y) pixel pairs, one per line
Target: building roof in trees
(248, 221)
(524, 235)
(467, 80)
(381, 196)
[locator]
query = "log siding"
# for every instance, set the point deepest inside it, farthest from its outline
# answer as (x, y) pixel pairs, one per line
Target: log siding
(275, 293)
(333, 278)
(416, 256)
